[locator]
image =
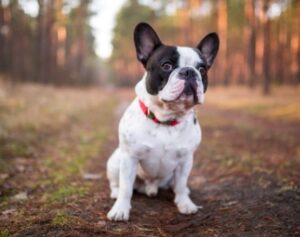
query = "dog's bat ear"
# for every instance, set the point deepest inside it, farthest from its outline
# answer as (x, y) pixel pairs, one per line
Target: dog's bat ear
(209, 47)
(146, 41)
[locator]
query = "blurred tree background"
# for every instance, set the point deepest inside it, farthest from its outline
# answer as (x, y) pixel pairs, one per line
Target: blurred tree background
(54, 47)
(260, 40)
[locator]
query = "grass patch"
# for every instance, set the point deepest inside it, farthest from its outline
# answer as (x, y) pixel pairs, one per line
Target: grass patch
(49, 162)
(11, 105)
(4, 233)
(59, 131)
(282, 104)
(72, 159)
(59, 176)
(65, 192)
(14, 147)
(60, 219)
(65, 163)
(3, 165)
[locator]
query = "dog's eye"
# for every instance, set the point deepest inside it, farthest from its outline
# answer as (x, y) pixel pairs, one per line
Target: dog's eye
(166, 67)
(202, 70)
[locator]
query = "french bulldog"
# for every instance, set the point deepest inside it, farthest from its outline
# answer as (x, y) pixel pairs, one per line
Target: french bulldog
(159, 131)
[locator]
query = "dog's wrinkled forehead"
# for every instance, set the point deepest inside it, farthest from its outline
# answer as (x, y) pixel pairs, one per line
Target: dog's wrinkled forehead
(163, 54)
(188, 57)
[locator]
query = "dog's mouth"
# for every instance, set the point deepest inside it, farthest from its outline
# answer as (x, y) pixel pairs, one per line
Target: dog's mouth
(189, 93)
(179, 91)
(190, 90)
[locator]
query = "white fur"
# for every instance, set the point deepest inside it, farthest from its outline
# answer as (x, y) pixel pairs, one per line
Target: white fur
(173, 89)
(188, 57)
(161, 156)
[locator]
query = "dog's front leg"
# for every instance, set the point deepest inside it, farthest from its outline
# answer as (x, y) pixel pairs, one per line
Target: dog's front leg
(182, 199)
(121, 208)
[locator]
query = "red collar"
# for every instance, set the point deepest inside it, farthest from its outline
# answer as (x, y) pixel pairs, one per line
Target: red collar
(151, 115)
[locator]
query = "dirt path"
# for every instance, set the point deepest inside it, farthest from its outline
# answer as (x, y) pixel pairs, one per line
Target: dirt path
(245, 175)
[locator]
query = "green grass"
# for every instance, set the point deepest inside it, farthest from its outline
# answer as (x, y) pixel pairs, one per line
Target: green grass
(4, 233)
(65, 192)
(59, 133)
(60, 219)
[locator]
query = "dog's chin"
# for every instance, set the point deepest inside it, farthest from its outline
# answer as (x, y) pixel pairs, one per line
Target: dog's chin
(182, 97)
(188, 101)
(179, 92)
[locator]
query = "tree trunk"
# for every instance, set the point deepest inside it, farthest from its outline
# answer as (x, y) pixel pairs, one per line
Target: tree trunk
(250, 40)
(222, 29)
(266, 55)
(3, 36)
(295, 46)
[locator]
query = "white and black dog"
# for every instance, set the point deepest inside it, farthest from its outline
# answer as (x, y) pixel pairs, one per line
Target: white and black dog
(159, 132)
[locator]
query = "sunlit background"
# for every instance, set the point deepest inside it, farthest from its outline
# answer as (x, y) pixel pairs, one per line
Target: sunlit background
(90, 42)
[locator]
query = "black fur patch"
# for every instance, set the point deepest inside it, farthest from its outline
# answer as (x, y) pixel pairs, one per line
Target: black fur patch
(206, 66)
(156, 77)
(195, 120)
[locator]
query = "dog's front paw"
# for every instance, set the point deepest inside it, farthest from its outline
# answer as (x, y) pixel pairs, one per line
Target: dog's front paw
(119, 212)
(186, 206)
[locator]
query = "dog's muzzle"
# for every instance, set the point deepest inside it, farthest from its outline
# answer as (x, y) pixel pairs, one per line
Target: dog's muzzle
(184, 85)
(190, 86)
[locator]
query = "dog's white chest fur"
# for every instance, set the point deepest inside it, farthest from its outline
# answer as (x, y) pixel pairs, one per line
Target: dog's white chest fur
(160, 155)
(159, 149)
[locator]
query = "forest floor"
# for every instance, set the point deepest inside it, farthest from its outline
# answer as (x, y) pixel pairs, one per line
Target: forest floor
(54, 143)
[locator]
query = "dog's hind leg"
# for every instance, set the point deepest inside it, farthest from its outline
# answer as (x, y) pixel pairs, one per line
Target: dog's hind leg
(150, 188)
(113, 170)
(144, 185)
(167, 182)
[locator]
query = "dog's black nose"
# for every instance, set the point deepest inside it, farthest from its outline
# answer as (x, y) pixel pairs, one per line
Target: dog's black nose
(187, 73)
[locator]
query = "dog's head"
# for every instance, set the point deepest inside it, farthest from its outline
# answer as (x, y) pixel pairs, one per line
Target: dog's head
(175, 74)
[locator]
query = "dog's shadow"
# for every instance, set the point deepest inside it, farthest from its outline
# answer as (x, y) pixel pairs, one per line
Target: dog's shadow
(160, 208)
(163, 195)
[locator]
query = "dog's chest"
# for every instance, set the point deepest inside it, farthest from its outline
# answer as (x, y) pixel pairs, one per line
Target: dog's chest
(159, 154)
(159, 149)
